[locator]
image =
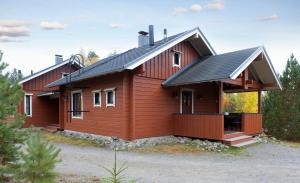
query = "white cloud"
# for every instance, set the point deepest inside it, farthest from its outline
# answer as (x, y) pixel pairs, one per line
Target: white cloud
(116, 25)
(14, 31)
(180, 10)
(216, 5)
(196, 8)
(52, 25)
(268, 18)
(14, 23)
(5, 39)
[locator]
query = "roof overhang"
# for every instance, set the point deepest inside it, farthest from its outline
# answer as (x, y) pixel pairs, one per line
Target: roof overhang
(47, 94)
(263, 70)
(197, 37)
(48, 70)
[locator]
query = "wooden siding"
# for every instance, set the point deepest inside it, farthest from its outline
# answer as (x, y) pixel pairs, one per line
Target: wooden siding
(251, 123)
(210, 126)
(44, 110)
(153, 108)
(108, 121)
(161, 66)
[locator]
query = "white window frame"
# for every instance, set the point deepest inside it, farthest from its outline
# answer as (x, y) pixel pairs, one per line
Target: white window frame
(96, 91)
(81, 95)
(28, 94)
(114, 97)
(63, 73)
(177, 65)
(186, 89)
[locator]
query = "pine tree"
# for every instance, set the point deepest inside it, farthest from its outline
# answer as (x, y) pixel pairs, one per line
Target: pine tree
(11, 138)
(281, 109)
(39, 159)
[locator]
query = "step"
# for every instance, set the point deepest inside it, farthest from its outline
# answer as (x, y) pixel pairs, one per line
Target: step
(243, 144)
(52, 128)
(237, 140)
(232, 135)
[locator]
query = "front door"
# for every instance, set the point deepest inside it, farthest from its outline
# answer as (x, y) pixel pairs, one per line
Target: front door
(187, 101)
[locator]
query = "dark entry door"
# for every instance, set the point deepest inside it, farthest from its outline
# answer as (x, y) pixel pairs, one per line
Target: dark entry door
(187, 102)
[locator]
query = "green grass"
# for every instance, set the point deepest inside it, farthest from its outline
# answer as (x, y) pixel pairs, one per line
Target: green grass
(53, 137)
(234, 150)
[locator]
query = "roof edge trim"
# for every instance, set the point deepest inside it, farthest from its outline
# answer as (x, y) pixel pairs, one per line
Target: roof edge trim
(47, 70)
(135, 63)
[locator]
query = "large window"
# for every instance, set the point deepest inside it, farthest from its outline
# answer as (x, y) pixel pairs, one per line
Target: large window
(176, 59)
(28, 105)
(110, 97)
(97, 98)
(76, 104)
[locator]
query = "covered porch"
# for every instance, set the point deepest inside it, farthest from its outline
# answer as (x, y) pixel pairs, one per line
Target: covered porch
(247, 70)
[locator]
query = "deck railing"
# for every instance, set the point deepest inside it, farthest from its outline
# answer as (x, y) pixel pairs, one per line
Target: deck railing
(251, 123)
(207, 126)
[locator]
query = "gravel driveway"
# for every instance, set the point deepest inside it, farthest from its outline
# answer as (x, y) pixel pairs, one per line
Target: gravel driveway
(260, 163)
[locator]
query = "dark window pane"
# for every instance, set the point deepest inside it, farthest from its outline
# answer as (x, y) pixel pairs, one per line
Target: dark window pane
(28, 107)
(96, 98)
(110, 97)
(76, 104)
(176, 58)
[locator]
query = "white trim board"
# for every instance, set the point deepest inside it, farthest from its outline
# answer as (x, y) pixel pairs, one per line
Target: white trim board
(30, 103)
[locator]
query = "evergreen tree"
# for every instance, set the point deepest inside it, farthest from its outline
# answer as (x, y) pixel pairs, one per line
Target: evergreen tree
(15, 76)
(39, 159)
(281, 109)
(11, 137)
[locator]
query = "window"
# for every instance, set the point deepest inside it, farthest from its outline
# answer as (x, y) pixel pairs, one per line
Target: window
(176, 59)
(110, 97)
(64, 74)
(28, 105)
(97, 98)
(76, 106)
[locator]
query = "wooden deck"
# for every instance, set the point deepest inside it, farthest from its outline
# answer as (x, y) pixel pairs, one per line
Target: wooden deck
(211, 126)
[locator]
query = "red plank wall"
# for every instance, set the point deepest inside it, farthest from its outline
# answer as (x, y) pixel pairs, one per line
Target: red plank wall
(44, 110)
(108, 121)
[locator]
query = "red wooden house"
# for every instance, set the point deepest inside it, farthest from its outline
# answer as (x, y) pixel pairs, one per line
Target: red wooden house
(173, 86)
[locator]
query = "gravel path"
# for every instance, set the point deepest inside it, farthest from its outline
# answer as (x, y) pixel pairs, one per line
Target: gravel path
(260, 163)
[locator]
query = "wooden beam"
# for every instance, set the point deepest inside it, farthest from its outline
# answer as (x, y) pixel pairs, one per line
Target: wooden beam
(237, 81)
(255, 84)
(259, 101)
(221, 93)
(245, 78)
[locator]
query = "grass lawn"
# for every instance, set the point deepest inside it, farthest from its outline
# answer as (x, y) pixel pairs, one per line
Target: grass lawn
(53, 137)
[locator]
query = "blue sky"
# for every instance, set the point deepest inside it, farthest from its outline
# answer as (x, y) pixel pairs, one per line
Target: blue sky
(32, 31)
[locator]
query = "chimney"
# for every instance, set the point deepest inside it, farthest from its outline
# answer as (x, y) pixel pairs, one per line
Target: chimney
(165, 34)
(143, 38)
(19, 72)
(31, 72)
(58, 59)
(151, 35)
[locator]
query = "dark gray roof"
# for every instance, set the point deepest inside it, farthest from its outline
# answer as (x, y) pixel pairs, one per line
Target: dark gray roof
(212, 68)
(119, 62)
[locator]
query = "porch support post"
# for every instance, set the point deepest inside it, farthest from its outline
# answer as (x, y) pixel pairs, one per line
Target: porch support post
(221, 93)
(259, 101)
(245, 78)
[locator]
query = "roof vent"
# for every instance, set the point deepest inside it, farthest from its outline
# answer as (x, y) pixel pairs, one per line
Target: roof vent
(143, 38)
(58, 59)
(151, 35)
(165, 34)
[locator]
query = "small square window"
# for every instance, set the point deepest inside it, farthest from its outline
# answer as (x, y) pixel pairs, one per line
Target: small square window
(176, 59)
(64, 74)
(97, 98)
(110, 97)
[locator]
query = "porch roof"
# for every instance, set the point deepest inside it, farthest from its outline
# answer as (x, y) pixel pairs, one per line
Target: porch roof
(225, 66)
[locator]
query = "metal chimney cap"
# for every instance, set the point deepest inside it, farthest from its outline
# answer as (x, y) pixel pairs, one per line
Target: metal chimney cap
(144, 33)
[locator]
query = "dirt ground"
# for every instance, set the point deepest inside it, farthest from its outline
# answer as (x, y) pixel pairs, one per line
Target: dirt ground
(259, 163)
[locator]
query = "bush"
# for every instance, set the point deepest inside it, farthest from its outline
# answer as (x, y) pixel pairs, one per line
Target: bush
(39, 159)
